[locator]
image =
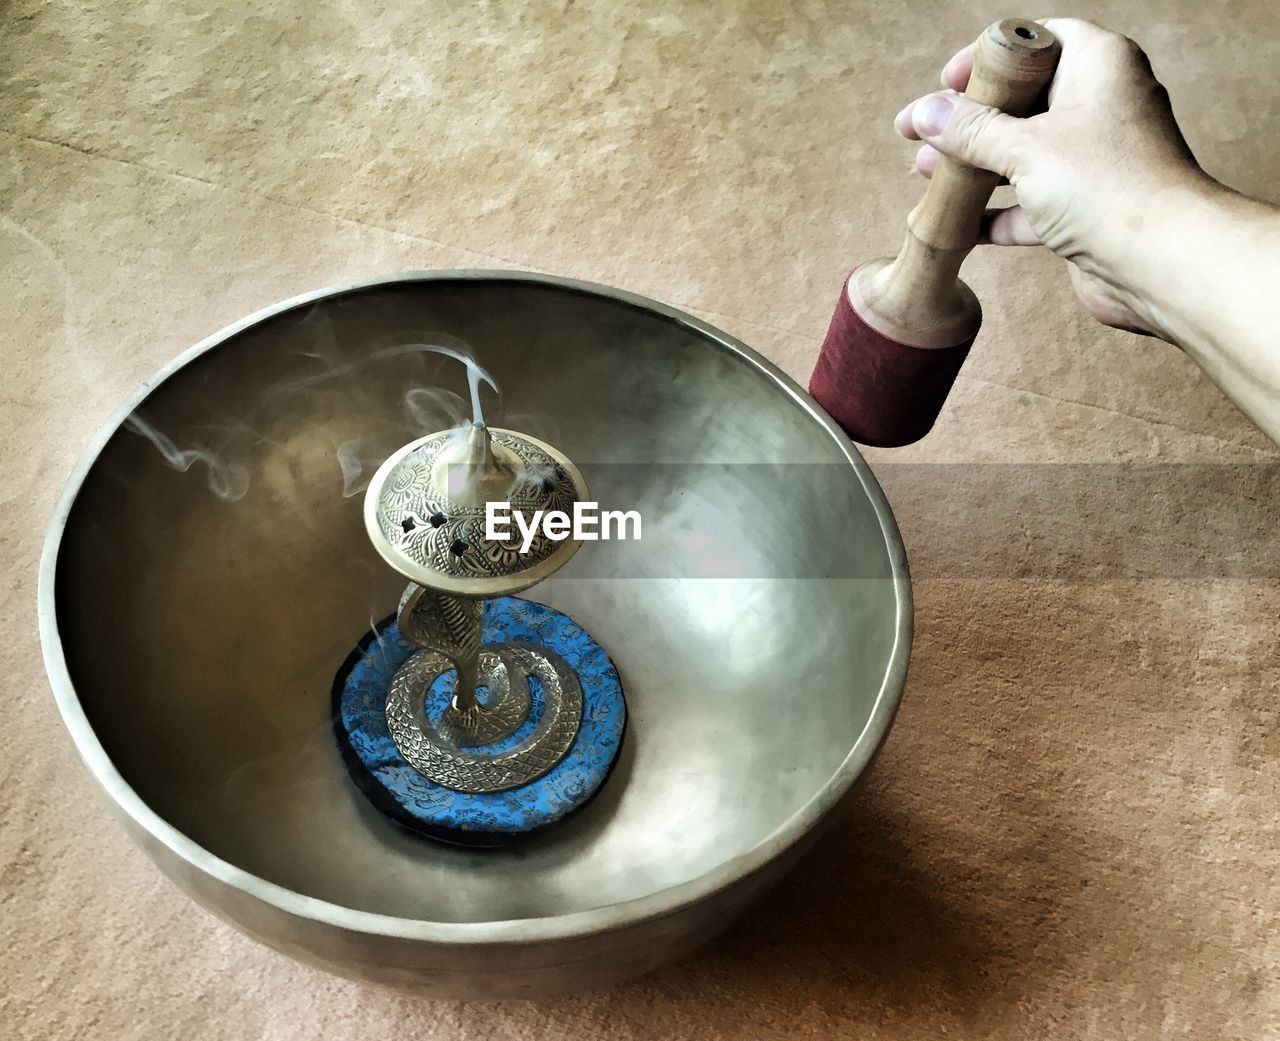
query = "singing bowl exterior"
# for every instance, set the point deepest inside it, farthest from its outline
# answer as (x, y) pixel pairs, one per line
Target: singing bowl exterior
(762, 633)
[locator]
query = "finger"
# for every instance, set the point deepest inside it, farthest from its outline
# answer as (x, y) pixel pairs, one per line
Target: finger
(1077, 37)
(956, 73)
(972, 133)
(1008, 227)
(926, 160)
(902, 124)
(1074, 32)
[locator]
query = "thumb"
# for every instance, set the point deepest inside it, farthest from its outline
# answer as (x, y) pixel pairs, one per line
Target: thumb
(971, 133)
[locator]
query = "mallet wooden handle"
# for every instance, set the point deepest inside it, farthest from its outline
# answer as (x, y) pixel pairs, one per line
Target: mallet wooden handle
(916, 298)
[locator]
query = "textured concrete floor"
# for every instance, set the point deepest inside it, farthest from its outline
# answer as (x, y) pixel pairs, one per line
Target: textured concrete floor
(1072, 832)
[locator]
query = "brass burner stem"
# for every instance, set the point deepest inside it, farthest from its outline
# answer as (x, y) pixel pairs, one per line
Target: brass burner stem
(450, 625)
(467, 676)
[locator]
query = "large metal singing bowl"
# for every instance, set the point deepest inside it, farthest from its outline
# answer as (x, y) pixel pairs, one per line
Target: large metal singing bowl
(761, 630)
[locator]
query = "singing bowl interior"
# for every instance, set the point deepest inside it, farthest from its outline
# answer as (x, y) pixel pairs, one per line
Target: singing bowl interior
(192, 640)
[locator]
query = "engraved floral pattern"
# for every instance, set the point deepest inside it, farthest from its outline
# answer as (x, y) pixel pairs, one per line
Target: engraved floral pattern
(448, 538)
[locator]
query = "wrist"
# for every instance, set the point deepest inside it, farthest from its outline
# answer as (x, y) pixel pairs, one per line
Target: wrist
(1148, 263)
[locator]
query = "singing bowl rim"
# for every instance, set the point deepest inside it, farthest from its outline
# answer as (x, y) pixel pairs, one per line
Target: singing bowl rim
(603, 919)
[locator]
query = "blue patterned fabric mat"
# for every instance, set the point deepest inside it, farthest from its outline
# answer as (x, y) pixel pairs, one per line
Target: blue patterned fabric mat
(490, 818)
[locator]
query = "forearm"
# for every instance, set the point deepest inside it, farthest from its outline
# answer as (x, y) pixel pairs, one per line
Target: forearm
(1205, 265)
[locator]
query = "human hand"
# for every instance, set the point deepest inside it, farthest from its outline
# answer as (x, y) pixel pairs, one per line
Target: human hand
(1086, 171)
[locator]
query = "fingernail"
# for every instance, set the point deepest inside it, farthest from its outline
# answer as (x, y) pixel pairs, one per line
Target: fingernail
(932, 115)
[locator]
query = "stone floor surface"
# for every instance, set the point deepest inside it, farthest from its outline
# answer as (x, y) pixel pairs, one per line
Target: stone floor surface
(1072, 832)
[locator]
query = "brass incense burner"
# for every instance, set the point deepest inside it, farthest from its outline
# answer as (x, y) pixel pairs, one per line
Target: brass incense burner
(425, 511)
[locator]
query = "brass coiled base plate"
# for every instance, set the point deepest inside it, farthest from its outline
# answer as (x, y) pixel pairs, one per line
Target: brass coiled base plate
(452, 753)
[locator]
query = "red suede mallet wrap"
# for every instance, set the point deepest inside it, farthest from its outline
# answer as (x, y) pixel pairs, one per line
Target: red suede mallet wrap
(882, 392)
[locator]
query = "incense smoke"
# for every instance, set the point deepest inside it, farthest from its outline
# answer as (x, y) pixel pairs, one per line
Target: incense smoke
(474, 375)
(228, 481)
(427, 409)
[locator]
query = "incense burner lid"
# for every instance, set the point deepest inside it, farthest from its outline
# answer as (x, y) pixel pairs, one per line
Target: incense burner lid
(425, 509)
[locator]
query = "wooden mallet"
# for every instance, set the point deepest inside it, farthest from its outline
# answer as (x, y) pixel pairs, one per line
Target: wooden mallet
(904, 324)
